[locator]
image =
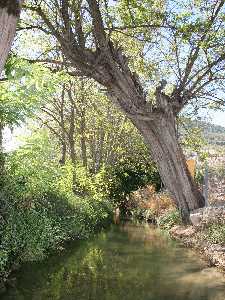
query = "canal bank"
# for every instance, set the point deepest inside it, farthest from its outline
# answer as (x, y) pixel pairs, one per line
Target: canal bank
(206, 236)
(213, 253)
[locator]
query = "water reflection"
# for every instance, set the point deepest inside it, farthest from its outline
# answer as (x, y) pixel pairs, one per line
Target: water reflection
(128, 262)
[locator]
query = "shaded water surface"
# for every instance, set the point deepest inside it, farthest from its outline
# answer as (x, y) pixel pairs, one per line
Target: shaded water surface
(134, 262)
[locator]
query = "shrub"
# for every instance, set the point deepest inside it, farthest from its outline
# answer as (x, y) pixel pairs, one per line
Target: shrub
(148, 203)
(143, 214)
(199, 177)
(129, 176)
(33, 225)
(170, 219)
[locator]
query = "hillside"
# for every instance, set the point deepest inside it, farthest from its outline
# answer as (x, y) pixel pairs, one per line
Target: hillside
(214, 134)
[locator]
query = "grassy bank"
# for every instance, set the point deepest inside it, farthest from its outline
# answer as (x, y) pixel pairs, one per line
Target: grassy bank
(201, 240)
(208, 238)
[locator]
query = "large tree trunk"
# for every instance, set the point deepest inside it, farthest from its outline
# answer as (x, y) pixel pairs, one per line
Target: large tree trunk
(160, 136)
(9, 14)
(71, 143)
(155, 119)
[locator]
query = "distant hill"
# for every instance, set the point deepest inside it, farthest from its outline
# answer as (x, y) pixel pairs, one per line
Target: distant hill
(214, 134)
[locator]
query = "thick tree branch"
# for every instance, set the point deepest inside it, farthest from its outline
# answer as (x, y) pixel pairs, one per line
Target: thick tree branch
(98, 26)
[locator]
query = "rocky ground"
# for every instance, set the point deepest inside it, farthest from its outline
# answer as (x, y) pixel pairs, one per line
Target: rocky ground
(216, 163)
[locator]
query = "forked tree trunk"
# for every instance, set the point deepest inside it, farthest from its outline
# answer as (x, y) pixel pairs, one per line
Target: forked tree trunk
(83, 139)
(9, 14)
(160, 136)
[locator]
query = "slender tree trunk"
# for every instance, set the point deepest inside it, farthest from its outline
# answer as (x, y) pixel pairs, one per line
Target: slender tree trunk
(99, 149)
(84, 151)
(73, 156)
(83, 139)
(1, 137)
(63, 153)
(160, 136)
(63, 127)
(9, 14)
(72, 150)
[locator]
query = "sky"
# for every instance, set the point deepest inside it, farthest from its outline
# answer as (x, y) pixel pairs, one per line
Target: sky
(13, 139)
(218, 118)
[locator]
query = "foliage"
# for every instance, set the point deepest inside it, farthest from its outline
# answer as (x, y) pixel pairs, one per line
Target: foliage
(215, 233)
(191, 136)
(180, 42)
(193, 140)
(212, 228)
(129, 176)
(38, 208)
(143, 214)
(25, 89)
(149, 204)
(33, 228)
(80, 142)
(199, 176)
(217, 171)
(169, 219)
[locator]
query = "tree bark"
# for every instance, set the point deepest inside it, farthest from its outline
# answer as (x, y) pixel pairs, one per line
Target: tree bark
(99, 150)
(9, 14)
(72, 143)
(160, 136)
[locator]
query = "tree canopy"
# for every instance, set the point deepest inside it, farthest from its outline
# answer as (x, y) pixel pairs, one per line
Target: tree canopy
(180, 43)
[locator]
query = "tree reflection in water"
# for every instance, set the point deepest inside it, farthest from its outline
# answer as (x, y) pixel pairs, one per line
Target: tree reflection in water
(127, 262)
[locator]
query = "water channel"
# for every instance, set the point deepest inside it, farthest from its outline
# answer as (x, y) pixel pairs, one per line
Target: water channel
(125, 262)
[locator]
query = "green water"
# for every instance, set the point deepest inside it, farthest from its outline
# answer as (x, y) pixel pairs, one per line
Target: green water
(134, 262)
